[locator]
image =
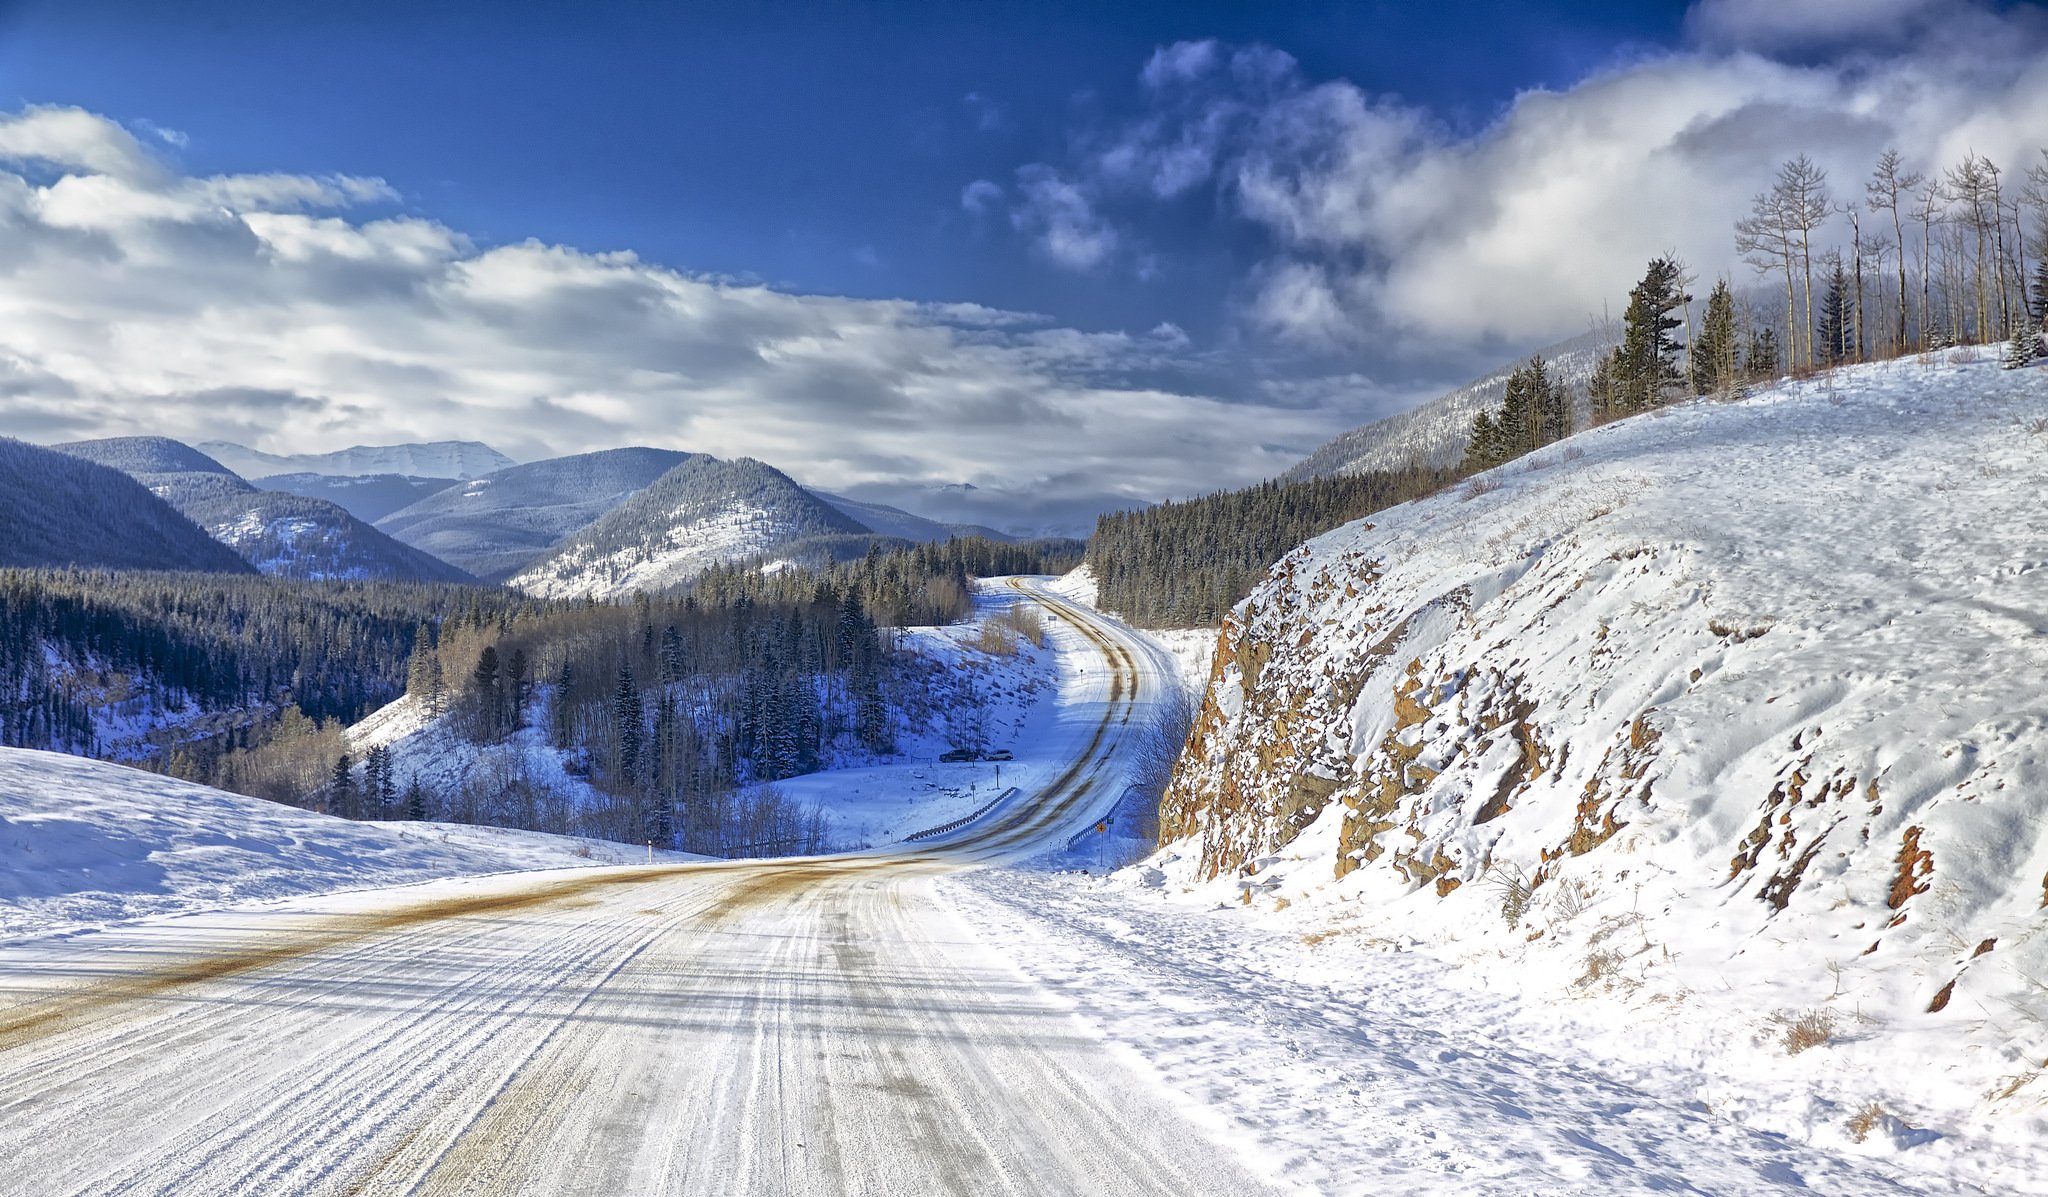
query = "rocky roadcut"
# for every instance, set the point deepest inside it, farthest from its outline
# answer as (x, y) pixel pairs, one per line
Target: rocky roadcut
(1729, 715)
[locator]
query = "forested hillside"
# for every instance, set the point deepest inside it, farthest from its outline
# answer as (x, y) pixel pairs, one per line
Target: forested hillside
(1184, 564)
(56, 510)
(285, 535)
(125, 664)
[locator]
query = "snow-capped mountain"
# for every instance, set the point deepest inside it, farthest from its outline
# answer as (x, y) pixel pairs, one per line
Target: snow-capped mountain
(369, 497)
(59, 510)
(1730, 713)
(281, 534)
(1435, 433)
(497, 524)
(702, 512)
(434, 459)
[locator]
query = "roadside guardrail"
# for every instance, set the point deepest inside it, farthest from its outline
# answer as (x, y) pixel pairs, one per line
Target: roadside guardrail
(963, 821)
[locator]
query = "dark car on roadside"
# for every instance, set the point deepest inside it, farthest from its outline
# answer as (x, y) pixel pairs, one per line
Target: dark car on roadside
(957, 755)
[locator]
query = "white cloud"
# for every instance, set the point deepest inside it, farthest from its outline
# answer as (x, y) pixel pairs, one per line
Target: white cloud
(263, 309)
(1382, 227)
(72, 138)
(1062, 220)
(980, 196)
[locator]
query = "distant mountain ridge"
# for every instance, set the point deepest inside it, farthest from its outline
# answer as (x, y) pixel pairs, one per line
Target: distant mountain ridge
(432, 459)
(498, 524)
(701, 513)
(885, 520)
(284, 535)
(1436, 433)
(368, 497)
(57, 510)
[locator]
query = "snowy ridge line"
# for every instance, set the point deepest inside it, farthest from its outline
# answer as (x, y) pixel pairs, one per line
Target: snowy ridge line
(963, 820)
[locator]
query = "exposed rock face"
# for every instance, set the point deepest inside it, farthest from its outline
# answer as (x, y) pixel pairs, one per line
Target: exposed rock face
(1760, 666)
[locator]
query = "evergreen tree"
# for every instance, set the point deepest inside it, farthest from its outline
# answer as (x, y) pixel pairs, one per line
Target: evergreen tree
(415, 800)
(1834, 334)
(387, 784)
(563, 714)
(628, 726)
(2023, 345)
(1603, 390)
(1714, 369)
(341, 788)
(1760, 360)
(1646, 365)
(516, 669)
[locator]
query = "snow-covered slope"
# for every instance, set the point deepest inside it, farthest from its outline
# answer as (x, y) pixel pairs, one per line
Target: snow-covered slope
(435, 459)
(284, 535)
(58, 510)
(85, 844)
(1732, 714)
(1435, 433)
(369, 497)
(701, 513)
(498, 524)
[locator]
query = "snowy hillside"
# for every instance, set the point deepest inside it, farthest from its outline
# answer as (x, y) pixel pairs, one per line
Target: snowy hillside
(57, 510)
(87, 844)
(701, 513)
(1435, 433)
(1730, 716)
(435, 459)
(283, 535)
(369, 497)
(498, 524)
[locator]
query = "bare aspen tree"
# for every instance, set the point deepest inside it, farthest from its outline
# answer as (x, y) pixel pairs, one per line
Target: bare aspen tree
(1855, 216)
(1973, 187)
(1887, 183)
(1806, 204)
(1764, 240)
(1926, 210)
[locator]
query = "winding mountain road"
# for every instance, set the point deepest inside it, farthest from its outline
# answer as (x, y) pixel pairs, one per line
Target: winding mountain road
(822, 1025)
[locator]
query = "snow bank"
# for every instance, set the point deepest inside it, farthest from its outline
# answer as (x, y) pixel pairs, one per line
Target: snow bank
(1726, 721)
(84, 845)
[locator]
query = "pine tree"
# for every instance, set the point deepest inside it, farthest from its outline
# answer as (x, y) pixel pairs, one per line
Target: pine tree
(1760, 360)
(1603, 391)
(2023, 345)
(628, 725)
(1713, 353)
(341, 788)
(1834, 334)
(1646, 366)
(415, 800)
(563, 714)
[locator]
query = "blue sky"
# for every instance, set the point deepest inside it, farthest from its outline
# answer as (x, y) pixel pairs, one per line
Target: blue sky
(819, 146)
(1076, 255)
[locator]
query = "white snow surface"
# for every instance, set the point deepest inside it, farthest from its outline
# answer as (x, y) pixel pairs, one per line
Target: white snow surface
(1768, 654)
(86, 845)
(684, 548)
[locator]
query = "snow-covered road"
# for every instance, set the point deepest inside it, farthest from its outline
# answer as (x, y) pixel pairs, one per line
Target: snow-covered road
(880, 1022)
(816, 1026)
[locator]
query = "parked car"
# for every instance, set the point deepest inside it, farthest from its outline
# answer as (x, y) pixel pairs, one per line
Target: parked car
(959, 754)
(1000, 754)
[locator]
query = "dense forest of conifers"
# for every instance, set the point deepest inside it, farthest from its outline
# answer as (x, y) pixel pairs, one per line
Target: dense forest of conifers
(71, 640)
(1184, 564)
(667, 705)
